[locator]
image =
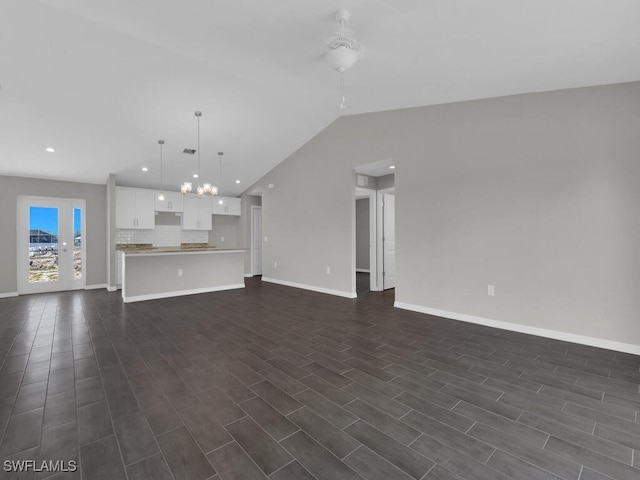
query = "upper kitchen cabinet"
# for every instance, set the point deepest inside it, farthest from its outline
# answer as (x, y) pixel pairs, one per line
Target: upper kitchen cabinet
(197, 213)
(173, 202)
(135, 208)
(227, 206)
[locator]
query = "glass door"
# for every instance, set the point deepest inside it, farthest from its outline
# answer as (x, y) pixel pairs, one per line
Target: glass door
(50, 244)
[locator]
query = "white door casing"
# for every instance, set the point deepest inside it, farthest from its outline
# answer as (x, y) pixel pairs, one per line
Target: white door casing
(389, 240)
(256, 240)
(65, 248)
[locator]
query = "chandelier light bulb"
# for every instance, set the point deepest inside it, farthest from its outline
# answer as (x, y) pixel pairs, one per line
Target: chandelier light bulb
(161, 197)
(200, 191)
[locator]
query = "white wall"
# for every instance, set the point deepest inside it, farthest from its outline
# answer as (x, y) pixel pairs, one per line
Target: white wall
(537, 194)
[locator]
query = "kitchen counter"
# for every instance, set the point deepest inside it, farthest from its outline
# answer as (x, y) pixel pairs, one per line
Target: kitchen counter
(158, 272)
(185, 247)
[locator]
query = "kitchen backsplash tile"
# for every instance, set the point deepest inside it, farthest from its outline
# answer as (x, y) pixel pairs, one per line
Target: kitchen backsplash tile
(162, 236)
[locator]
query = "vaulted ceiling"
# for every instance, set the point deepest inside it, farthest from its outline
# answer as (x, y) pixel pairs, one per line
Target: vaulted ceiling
(102, 81)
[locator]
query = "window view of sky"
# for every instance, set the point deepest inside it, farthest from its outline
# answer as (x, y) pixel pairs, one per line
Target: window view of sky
(46, 219)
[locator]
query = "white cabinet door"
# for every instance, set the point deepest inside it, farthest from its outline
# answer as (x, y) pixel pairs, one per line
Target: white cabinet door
(125, 208)
(204, 213)
(197, 213)
(173, 202)
(227, 206)
(190, 215)
(233, 206)
(135, 208)
(145, 209)
(218, 205)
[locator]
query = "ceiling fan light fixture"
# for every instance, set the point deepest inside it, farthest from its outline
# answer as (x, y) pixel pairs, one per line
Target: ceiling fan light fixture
(342, 58)
(344, 51)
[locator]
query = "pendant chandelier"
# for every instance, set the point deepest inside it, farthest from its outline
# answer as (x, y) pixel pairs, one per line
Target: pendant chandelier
(206, 188)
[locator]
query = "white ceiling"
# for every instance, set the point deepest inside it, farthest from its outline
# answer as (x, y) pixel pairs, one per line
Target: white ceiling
(102, 81)
(378, 168)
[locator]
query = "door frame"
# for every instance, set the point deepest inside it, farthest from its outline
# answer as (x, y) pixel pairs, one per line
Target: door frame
(22, 241)
(254, 209)
(379, 234)
(373, 240)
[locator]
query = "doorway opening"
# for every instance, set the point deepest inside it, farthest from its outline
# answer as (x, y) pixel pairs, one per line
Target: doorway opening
(256, 240)
(51, 249)
(374, 237)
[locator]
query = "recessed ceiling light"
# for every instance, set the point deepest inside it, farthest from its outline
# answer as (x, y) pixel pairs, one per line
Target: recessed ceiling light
(237, 181)
(145, 169)
(392, 167)
(50, 149)
(195, 175)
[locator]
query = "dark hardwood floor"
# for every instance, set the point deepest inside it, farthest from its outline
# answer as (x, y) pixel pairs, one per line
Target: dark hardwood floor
(276, 382)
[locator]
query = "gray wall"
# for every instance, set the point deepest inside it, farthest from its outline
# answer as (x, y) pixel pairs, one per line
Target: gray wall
(224, 226)
(537, 194)
(150, 274)
(96, 228)
(244, 227)
(112, 277)
(386, 181)
(362, 234)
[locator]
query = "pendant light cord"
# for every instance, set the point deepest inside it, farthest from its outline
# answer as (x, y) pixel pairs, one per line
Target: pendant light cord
(161, 142)
(198, 117)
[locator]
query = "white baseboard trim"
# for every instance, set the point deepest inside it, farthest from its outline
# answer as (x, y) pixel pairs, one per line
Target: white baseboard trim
(8, 294)
(155, 296)
(363, 270)
(313, 288)
(112, 289)
(515, 327)
(248, 274)
(96, 286)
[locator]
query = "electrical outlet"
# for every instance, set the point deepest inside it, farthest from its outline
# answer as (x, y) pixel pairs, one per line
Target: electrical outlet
(222, 239)
(266, 239)
(328, 270)
(179, 272)
(275, 264)
(491, 290)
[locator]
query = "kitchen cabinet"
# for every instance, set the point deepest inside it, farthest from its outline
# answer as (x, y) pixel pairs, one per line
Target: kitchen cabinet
(173, 202)
(135, 208)
(229, 206)
(197, 213)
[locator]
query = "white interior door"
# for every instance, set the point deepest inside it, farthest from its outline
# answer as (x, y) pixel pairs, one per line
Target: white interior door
(51, 247)
(389, 240)
(256, 240)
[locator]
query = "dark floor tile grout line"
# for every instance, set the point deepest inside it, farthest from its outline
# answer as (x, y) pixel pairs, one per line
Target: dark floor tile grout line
(469, 429)
(486, 462)
(243, 449)
(283, 466)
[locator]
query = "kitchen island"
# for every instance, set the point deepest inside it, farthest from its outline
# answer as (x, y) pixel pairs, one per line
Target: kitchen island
(149, 273)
